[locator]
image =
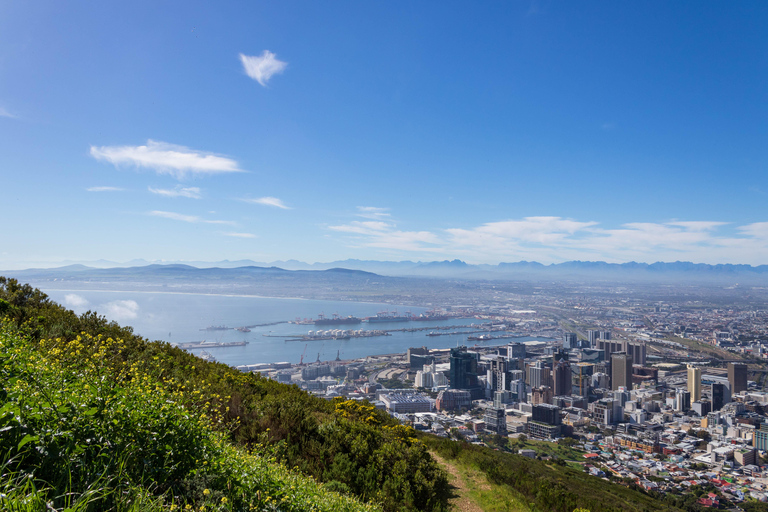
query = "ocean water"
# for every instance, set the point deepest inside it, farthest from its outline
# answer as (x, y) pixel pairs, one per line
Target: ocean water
(182, 317)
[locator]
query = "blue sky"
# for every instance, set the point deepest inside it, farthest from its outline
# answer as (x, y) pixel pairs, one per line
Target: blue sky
(485, 131)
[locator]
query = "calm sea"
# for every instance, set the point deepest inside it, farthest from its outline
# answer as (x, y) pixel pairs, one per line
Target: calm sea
(181, 317)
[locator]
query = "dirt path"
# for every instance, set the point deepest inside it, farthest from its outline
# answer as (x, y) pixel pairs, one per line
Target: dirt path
(460, 501)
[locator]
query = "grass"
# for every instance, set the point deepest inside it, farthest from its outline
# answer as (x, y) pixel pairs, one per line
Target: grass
(83, 432)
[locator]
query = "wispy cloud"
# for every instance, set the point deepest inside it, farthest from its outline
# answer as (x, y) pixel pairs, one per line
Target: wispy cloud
(268, 201)
(385, 235)
(261, 68)
(373, 212)
(104, 189)
(240, 235)
(178, 191)
(164, 158)
(5, 113)
(556, 239)
(187, 218)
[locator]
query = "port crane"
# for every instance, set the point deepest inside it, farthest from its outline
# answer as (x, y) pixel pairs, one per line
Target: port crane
(301, 361)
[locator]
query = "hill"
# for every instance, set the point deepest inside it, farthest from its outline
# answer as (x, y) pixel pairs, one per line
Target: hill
(96, 418)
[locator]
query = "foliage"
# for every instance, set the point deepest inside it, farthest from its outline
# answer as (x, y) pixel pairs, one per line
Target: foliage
(546, 487)
(80, 434)
(315, 436)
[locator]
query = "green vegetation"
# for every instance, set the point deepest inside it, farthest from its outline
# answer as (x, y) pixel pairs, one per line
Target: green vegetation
(94, 418)
(546, 487)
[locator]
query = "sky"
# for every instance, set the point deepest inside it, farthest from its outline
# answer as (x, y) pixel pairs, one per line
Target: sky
(494, 131)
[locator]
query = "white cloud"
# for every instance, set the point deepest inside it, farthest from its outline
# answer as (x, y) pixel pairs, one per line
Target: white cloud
(120, 310)
(104, 189)
(263, 67)
(240, 235)
(164, 158)
(268, 201)
(372, 212)
(75, 301)
(5, 113)
(194, 219)
(178, 191)
(550, 239)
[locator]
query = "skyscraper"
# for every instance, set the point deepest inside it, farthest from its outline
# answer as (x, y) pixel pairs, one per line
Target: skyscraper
(721, 395)
(737, 377)
(621, 370)
(561, 373)
(682, 400)
(570, 340)
(581, 378)
(694, 383)
(592, 336)
(463, 371)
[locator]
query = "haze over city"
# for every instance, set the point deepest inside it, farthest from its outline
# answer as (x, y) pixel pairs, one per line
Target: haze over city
(499, 132)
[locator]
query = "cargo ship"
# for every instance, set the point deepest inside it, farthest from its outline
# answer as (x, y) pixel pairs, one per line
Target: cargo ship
(216, 328)
(386, 316)
(336, 320)
(431, 315)
(211, 344)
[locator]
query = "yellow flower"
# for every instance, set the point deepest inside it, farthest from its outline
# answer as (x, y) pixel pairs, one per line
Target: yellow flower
(224, 499)
(206, 492)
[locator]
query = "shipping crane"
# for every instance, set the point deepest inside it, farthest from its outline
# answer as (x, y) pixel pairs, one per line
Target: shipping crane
(301, 361)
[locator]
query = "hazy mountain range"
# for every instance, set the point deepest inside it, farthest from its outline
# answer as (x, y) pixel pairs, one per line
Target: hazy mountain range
(456, 269)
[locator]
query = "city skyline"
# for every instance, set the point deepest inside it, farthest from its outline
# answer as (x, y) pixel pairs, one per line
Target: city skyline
(489, 133)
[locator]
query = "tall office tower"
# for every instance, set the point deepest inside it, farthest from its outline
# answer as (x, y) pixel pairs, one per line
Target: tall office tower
(606, 335)
(637, 350)
(463, 371)
(498, 374)
(519, 389)
(737, 377)
(621, 370)
(721, 395)
(538, 375)
(682, 400)
(570, 340)
(562, 376)
(609, 347)
(694, 383)
(581, 378)
(516, 351)
(592, 336)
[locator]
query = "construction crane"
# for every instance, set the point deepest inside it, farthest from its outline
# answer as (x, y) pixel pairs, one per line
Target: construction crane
(301, 361)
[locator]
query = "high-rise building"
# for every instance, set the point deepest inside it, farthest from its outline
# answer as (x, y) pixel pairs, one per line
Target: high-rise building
(538, 375)
(694, 383)
(606, 335)
(463, 371)
(721, 395)
(570, 340)
(682, 400)
(562, 377)
(581, 378)
(737, 377)
(516, 351)
(498, 374)
(621, 370)
(637, 351)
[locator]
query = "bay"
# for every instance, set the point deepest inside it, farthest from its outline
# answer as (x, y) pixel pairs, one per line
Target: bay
(182, 317)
